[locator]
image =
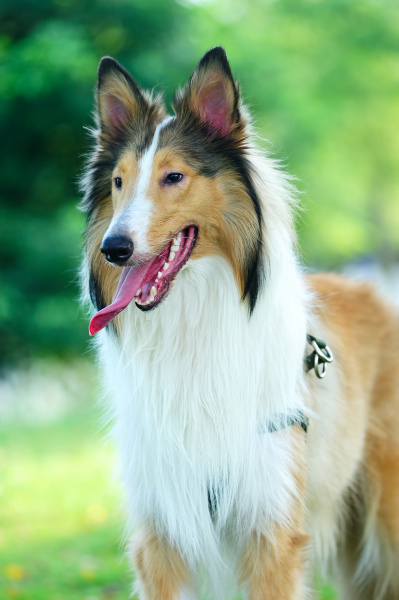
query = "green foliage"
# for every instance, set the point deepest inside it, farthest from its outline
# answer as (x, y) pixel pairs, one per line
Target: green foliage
(321, 76)
(50, 52)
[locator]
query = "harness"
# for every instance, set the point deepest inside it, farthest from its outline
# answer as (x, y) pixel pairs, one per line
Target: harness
(317, 360)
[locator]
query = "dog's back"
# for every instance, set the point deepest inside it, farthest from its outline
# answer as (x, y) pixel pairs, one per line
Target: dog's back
(360, 453)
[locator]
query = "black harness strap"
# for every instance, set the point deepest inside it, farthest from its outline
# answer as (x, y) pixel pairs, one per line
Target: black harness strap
(283, 421)
(288, 421)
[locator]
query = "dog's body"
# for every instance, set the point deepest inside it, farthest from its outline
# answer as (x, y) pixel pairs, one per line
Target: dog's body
(210, 386)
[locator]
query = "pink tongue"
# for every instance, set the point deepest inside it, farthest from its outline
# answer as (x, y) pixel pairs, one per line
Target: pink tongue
(129, 282)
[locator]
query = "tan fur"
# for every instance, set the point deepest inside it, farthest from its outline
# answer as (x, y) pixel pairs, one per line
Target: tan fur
(364, 332)
(160, 568)
(273, 569)
(127, 169)
(272, 564)
(103, 271)
(218, 206)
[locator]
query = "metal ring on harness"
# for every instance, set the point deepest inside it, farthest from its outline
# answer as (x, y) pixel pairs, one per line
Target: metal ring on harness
(321, 355)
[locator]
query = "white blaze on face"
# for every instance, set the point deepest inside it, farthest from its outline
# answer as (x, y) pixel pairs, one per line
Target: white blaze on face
(135, 218)
(140, 208)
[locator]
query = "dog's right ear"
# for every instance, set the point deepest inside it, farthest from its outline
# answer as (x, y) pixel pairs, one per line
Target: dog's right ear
(119, 99)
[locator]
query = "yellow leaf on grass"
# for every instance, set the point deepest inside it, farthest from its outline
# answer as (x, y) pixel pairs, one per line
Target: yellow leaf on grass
(14, 572)
(87, 574)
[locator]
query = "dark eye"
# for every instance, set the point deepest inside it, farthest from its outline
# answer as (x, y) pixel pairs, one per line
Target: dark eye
(118, 182)
(173, 178)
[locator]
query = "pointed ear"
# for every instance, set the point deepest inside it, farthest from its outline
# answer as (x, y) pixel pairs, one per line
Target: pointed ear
(119, 98)
(212, 94)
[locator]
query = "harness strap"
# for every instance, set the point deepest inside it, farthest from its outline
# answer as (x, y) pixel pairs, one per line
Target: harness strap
(317, 360)
(283, 421)
(286, 421)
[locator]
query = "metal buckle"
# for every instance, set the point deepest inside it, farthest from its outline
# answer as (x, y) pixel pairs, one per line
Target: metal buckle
(321, 355)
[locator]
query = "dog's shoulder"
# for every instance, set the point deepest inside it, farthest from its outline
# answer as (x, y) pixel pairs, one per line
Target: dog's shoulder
(349, 302)
(360, 324)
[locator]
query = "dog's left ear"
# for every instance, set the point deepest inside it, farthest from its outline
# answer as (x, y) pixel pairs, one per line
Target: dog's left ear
(211, 94)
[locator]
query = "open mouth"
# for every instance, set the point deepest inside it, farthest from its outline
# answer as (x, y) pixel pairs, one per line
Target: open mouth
(164, 268)
(147, 284)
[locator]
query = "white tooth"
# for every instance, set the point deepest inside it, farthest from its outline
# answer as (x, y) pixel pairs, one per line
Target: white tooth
(175, 247)
(156, 281)
(166, 265)
(138, 292)
(153, 291)
(171, 256)
(159, 274)
(178, 237)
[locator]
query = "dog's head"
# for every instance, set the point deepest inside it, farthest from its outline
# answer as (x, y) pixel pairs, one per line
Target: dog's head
(161, 191)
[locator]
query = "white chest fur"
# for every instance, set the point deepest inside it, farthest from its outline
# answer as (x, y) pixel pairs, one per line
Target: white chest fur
(191, 382)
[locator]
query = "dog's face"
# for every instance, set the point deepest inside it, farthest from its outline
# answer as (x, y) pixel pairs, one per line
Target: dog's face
(162, 191)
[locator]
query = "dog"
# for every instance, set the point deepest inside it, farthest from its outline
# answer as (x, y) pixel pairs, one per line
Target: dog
(256, 408)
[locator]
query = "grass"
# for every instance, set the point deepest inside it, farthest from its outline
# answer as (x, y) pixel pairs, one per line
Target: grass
(60, 525)
(60, 530)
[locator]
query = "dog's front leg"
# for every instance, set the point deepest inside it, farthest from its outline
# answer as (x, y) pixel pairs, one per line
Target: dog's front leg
(160, 570)
(272, 565)
(272, 569)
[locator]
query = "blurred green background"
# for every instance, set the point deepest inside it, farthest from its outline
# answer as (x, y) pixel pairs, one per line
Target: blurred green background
(321, 76)
(322, 79)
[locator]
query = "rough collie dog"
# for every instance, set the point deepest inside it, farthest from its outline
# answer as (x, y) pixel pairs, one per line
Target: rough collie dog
(243, 469)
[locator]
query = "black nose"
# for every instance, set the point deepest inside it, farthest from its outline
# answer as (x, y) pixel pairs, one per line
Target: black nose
(117, 249)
